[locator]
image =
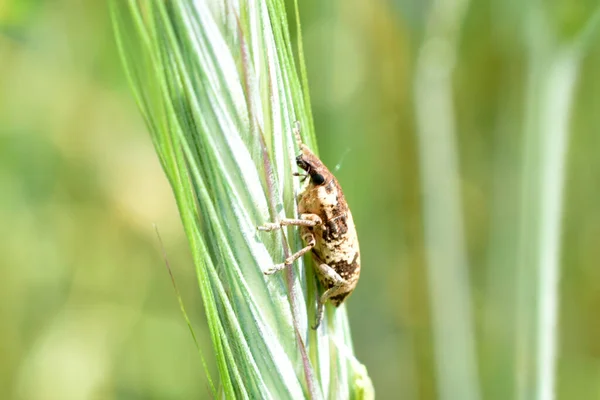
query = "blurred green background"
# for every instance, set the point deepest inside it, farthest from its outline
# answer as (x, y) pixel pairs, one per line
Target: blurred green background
(87, 309)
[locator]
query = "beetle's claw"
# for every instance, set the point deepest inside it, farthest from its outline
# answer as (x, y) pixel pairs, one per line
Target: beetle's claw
(268, 227)
(274, 268)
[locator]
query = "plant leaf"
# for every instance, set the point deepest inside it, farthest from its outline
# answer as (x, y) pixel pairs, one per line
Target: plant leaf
(218, 88)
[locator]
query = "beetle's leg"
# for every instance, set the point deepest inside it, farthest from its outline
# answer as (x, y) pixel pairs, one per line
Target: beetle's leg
(339, 287)
(305, 220)
(309, 239)
(304, 176)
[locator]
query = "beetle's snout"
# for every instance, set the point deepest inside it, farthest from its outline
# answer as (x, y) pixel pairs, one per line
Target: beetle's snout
(302, 163)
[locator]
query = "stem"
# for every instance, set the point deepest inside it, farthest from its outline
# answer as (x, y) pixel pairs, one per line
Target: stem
(555, 113)
(552, 77)
(453, 332)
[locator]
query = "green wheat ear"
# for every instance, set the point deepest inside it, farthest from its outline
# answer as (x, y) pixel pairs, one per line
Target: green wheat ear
(217, 85)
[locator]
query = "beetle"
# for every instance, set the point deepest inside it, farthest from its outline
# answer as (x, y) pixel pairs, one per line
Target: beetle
(327, 230)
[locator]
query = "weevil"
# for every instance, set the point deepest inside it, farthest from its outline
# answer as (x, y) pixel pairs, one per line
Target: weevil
(327, 230)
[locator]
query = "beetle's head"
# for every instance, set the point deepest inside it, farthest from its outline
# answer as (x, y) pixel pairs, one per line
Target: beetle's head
(313, 166)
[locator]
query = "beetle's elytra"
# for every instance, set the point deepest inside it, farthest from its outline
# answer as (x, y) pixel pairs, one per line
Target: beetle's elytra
(327, 230)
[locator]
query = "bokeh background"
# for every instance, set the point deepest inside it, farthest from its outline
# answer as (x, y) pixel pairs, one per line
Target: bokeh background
(87, 310)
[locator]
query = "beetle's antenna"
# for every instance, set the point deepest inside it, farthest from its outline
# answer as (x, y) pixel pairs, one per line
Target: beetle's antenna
(297, 134)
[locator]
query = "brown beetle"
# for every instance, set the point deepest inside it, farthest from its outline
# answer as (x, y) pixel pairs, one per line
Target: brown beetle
(327, 229)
